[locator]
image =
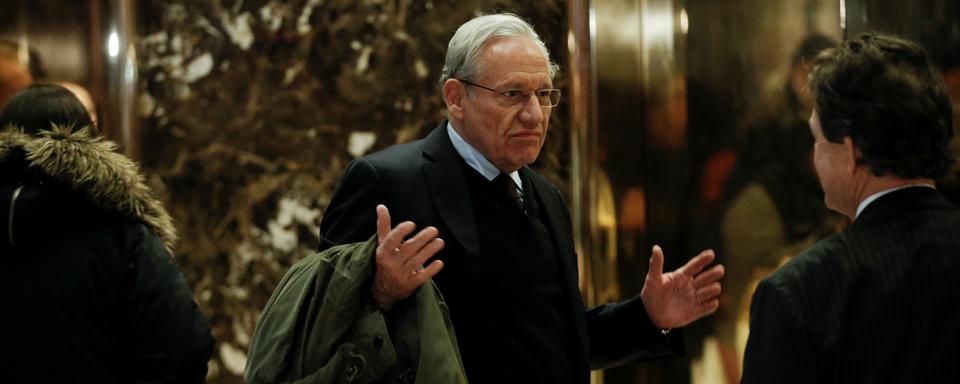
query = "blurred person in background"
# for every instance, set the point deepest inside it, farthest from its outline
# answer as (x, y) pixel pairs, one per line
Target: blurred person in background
(774, 206)
(92, 292)
(876, 302)
(14, 74)
(84, 96)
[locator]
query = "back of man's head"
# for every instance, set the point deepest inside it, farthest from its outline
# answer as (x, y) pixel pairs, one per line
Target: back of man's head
(883, 92)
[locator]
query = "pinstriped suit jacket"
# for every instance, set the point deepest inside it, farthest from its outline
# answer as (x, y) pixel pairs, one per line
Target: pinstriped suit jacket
(879, 302)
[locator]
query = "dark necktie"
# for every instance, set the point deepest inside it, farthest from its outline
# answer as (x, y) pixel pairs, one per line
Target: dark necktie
(504, 182)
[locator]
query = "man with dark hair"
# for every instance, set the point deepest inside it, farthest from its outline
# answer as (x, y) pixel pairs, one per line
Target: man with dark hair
(876, 302)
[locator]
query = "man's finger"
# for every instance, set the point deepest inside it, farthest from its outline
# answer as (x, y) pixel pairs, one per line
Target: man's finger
(427, 273)
(425, 253)
(709, 292)
(656, 264)
(696, 264)
(383, 222)
(396, 235)
(709, 307)
(413, 245)
(711, 275)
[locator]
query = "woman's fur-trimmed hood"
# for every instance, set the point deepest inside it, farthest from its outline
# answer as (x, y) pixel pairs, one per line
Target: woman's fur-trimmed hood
(89, 165)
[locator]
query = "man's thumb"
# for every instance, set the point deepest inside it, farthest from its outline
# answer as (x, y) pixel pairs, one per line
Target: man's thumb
(656, 263)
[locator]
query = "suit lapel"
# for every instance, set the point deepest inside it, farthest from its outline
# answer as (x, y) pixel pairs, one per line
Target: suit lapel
(554, 210)
(448, 187)
(557, 219)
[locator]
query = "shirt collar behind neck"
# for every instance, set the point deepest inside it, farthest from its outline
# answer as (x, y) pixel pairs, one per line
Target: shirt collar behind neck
(475, 159)
(875, 196)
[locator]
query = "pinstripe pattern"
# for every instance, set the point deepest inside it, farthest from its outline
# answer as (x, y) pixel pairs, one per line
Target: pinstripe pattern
(879, 302)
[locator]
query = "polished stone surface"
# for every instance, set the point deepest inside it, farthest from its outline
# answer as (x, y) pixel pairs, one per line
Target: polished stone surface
(251, 109)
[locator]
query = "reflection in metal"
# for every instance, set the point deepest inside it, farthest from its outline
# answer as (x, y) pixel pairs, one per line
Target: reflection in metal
(684, 21)
(662, 79)
(657, 23)
(632, 167)
(582, 135)
(120, 73)
(583, 141)
(618, 136)
(113, 44)
(843, 18)
(23, 47)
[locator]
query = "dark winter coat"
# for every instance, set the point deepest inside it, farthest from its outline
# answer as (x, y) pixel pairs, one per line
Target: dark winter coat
(89, 290)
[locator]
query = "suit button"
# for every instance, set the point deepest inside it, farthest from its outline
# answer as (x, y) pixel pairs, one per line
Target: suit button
(377, 342)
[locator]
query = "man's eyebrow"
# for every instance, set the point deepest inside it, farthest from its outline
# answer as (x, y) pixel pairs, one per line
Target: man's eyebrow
(511, 85)
(518, 84)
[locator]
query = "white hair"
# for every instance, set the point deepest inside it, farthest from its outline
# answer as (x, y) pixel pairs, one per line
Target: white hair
(464, 47)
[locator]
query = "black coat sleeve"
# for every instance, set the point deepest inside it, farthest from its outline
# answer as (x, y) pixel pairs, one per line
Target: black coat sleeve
(619, 333)
(172, 341)
(779, 349)
(351, 215)
(622, 332)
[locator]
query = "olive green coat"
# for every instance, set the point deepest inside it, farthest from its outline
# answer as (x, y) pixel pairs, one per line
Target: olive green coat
(321, 326)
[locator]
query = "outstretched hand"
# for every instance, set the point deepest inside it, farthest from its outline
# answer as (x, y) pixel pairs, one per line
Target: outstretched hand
(400, 267)
(678, 298)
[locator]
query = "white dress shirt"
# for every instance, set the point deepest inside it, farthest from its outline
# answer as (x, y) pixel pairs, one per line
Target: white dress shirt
(476, 160)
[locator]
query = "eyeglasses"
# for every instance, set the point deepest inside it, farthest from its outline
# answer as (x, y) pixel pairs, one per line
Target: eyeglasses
(515, 97)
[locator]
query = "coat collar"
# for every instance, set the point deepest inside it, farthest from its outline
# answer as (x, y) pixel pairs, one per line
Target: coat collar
(902, 201)
(89, 165)
(448, 187)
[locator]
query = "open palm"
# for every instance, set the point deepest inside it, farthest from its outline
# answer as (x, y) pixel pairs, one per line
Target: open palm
(678, 298)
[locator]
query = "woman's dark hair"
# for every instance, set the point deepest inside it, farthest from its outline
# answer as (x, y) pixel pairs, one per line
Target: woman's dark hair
(40, 106)
(884, 93)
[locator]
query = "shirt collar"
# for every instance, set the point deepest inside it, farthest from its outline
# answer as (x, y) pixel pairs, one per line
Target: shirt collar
(475, 159)
(875, 196)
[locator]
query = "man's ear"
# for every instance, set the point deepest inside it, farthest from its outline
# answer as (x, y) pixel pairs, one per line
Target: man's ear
(852, 154)
(453, 95)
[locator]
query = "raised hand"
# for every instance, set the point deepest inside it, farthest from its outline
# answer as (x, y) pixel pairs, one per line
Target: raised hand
(400, 267)
(677, 298)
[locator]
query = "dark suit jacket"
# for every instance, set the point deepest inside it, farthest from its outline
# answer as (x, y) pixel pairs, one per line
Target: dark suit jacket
(423, 182)
(878, 302)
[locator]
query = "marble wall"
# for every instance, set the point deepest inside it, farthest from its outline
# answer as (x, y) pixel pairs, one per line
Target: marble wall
(251, 109)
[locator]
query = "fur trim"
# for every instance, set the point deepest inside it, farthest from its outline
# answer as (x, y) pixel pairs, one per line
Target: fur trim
(90, 165)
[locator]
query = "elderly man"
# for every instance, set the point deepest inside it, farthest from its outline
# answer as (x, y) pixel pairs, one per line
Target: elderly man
(877, 302)
(509, 269)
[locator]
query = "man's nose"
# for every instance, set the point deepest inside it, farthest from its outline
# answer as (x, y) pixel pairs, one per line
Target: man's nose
(532, 112)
